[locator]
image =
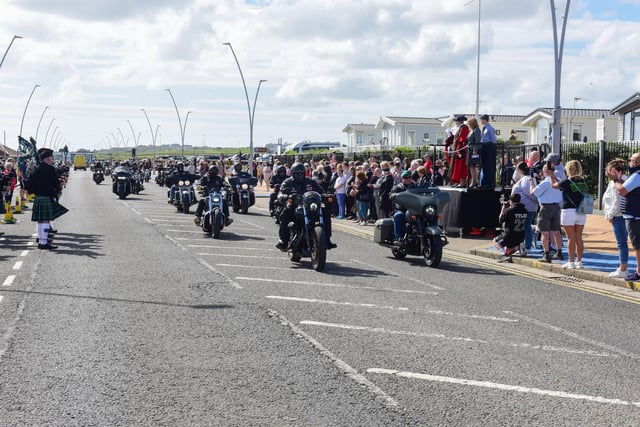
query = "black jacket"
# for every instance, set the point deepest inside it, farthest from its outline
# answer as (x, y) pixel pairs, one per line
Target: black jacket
(44, 181)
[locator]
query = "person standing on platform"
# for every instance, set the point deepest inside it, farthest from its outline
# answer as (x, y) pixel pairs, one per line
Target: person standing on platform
(459, 167)
(630, 190)
(549, 216)
(488, 153)
(613, 213)
(45, 185)
(474, 143)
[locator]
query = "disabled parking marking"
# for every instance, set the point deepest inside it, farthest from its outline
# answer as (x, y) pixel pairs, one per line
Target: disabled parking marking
(503, 387)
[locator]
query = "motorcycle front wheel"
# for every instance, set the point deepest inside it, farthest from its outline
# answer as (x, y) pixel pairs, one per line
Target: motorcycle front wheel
(185, 205)
(319, 249)
(433, 251)
(245, 206)
(216, 224)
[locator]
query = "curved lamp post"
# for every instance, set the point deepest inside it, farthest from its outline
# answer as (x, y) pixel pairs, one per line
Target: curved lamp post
(9, 47)
(153, 135)
(124, 143)
(27, 106)
(53, 134)
(251, 113)
(40, 121)
(47, 134)
(182, 129)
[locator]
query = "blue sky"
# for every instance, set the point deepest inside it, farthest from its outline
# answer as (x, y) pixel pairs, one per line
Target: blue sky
(326, 63)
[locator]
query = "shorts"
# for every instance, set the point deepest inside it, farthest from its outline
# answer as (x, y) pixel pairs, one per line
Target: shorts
(549, 217)
(633, 228)
(571, 217)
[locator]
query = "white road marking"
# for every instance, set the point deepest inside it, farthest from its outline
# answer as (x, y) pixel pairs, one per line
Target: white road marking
(348, 371)
(335, 285)
(24, 253)
(9, 280)
(184, 231)
(503, 387)
(232, 247)
(375, 267)
(574, 335)
(31, 243)
(135, 211)
(148, 220)
(240, 256)
(253, 266)
(17, 265)
(173, 220)
(390, 307)
(249, 223)
(1, 298)
(525, 346)
(214, 270)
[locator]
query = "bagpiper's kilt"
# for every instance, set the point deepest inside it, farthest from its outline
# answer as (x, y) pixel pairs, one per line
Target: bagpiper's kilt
(46, 209)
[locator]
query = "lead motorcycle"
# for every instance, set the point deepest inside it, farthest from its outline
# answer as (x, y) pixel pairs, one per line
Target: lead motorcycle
(423, 236)
(308, 232)
(121, 182)
(243, 195)
(98, 176)
(184, 195)
(213, 218)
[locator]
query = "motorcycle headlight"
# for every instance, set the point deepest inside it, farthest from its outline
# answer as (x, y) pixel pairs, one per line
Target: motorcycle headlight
(430, 210)
(181, 183)
(216, 200)
(122, 178)
(187, 182)
(245, 186)
(313, 207)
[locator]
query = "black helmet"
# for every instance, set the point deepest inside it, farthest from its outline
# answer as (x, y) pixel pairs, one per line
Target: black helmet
(282, 170)
(180, 166)
(213, 170)
(126, 163)
(237, 167)
(298, 172)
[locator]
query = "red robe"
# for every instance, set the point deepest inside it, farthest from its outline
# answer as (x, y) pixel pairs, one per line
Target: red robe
(459, 169)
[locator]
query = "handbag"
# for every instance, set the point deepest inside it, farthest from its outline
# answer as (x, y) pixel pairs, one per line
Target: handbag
(353, 192)
(586, 204)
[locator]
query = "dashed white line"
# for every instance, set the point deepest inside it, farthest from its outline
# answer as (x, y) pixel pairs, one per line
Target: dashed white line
(232, 247)
(390, 307)
(336, 285)
(375, 267)
(240, 256)
(31, 243)
(9, 280)
(525, 346)
(24, 253)
(504, 387)
(17, 265)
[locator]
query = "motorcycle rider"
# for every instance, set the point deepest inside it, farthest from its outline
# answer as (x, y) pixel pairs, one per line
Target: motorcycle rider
(275, 182)
(399, 215)
(178, 175)
(300, 184)
(210, 182)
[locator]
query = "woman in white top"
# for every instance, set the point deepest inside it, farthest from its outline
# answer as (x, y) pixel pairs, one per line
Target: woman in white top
(266, 174)
(339, 186)
(613, 213)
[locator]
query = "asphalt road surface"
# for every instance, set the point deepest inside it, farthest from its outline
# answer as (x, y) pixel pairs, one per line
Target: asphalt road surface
(139, 319)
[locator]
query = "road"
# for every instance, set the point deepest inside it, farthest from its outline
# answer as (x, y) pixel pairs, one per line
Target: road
(138, 319)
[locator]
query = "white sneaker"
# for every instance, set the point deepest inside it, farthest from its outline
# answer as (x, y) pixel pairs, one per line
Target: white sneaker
(569, 266)
(579, 264)
(618, 273)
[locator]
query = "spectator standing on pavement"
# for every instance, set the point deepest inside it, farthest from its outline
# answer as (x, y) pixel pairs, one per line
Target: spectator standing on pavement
(573, 189)
(630, 189)
(613, 213)
(385, 183)
(339, 187)
(549, 199)
(512, 217)
(488, 153)
(530, 202)
(362, 196)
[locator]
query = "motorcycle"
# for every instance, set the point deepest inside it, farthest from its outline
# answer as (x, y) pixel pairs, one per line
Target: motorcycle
(213, 218)
(121, 182)
(136, 182)
(160, 176)
(147, 175)
(308, 233)
(243, 195)
(184, 196)
(423, 236)
(98, 176)
(279, 204)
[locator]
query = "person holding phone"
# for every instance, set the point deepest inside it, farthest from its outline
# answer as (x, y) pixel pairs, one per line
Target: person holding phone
(530, 202)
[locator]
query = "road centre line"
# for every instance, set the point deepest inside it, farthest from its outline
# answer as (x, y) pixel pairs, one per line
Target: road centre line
(215, 270)
(525, 346)
(231, 247)
(390, 307)
(335, 285)
(183, 231)
(253, 266)
(17, 265)
(24, 253)
(9, 280)
(392, 273)
(148, 220)
(503, 387)
(345, 368)
(201, 239)
(240, 256)
(573, 335)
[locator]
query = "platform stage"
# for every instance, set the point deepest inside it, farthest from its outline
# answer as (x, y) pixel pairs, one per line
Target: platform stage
(472, 209)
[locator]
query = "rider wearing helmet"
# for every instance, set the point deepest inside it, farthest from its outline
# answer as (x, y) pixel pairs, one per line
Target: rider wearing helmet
(300, 184)
(178, 175)
(276, 180)
(212, 181)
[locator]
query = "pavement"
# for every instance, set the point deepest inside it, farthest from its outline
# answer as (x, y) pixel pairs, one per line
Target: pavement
(600, 254)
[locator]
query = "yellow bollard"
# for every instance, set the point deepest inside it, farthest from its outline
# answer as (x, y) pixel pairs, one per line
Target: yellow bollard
(18, 209)
(8, 215)
(31, 197)
(23, 202)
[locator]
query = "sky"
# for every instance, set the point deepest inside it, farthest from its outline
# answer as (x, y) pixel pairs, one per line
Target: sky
(327, 63)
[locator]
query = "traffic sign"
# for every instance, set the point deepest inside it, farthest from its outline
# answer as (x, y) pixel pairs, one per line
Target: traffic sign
(260, 149)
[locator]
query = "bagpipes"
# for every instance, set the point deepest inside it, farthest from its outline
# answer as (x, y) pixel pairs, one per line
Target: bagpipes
(27, 150)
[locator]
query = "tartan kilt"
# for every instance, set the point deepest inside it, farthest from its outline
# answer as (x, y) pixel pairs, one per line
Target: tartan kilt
(46, 209)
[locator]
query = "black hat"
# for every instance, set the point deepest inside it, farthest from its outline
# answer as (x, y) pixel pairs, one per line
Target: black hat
(461, 118)
(43, 153)
(484, 117)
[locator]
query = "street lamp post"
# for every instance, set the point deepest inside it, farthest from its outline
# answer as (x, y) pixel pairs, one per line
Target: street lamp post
(53, 134)
(558, 50)
(182, 129)
(40, 121)
(47, 134)
(8, 47)
(153, 135)
(27, 106)
(251, 113)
